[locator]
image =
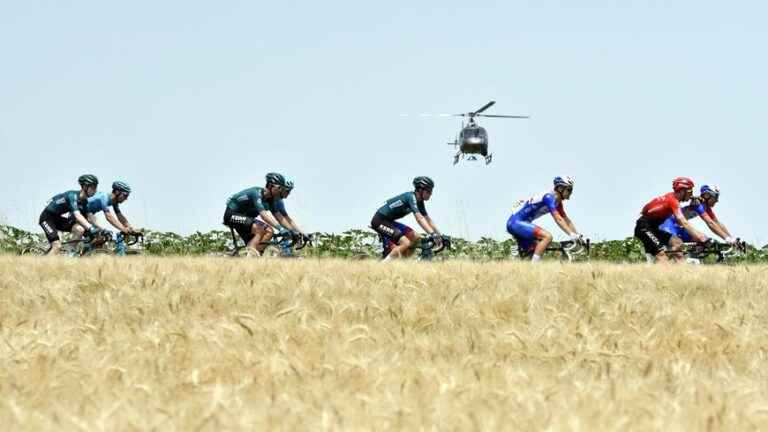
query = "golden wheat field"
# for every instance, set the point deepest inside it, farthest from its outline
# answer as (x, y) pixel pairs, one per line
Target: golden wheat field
(221, 344)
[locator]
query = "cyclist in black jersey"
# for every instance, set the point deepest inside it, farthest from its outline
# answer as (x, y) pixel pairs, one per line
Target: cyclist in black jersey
(245, 207)
(398, 239)
(66, 212)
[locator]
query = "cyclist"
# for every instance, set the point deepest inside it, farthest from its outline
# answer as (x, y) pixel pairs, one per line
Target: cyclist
(532, 239)
(71, 203)
(244, 207)
(648, 227)
(398, 239)
(702, 206)
(101, 201)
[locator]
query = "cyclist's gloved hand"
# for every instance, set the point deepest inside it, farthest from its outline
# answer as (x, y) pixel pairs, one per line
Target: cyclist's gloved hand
(92, 231)
(284, 232)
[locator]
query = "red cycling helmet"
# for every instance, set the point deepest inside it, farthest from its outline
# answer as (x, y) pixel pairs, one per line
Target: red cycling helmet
(680, 183)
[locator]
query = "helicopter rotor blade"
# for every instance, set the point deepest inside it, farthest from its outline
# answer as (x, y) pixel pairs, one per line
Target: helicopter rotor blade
(425, 115)
(485, 107)
(504, 116)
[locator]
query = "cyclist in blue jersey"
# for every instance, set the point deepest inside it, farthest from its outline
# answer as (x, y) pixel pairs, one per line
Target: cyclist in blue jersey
(72, 204)
(701, 206)
(398, 239)
(532, 239)
(101, 201)
(245, 207)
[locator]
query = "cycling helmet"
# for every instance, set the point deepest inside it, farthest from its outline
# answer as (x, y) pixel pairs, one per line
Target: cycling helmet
(88, 180)
(713, 190)
(423, 182)
(275, 179)
(563, 181)
(288, 185)
(682, 183)
(121, 186)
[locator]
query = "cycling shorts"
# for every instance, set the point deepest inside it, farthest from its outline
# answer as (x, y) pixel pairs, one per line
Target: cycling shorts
(390, 232)
(242, 224)
(653, 238)
(525, 233)
(52, 223)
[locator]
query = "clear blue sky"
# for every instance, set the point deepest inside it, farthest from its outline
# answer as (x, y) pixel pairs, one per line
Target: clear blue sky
(190, 102)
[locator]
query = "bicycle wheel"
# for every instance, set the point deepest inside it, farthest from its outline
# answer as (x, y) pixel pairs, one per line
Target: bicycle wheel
(36, 250)
(271, 251)
(99, 252)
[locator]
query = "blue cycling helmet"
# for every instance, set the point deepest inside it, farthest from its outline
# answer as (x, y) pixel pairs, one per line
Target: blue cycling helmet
(566, 181)
(121, 186)
(713, 190)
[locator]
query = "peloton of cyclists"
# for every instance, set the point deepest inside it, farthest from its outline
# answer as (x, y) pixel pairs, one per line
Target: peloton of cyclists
(701, 206)
(532, 240)
(101, 201)
(245, 207)
(398, 239)
(72, 204)
(648, 226)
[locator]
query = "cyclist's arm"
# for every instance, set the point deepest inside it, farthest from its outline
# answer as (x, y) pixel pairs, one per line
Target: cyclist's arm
(424, 223)
(93, 220)
(82, 220)
(683, 222)
(117, 221)
(288, 222)
(432, 224)
(123, 220)
(269, 218)
(564, 224)
(714, 226)
(570, 224)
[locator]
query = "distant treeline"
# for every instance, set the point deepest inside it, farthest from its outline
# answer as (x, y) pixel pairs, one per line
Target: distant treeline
(351, 244)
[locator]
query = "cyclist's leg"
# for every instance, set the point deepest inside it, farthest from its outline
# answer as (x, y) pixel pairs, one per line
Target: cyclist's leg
(261, 235)
(528, 234)
(388, 230)
(244, 227)
(48, 224)
(409, 236)
(653, 239)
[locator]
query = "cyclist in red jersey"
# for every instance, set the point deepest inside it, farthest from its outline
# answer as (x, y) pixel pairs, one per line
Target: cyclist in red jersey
(657, 211)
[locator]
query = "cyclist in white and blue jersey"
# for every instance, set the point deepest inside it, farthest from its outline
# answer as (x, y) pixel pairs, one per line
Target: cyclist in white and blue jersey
(532, 239)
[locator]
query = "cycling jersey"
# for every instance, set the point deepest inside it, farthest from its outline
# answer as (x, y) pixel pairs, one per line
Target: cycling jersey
(536, 206)
(690, 211)
(251, 202)
(400, 206)
(101, 201)
(660, 208)
(66, 202)
(520, 225)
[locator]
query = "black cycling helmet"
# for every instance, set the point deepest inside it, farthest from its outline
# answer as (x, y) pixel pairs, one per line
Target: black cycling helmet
(423, 182)
(275, 179)
(121, 186)
(88, 180)
(288, 185)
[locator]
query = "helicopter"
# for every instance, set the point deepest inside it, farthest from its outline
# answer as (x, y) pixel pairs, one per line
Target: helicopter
(473, 139)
